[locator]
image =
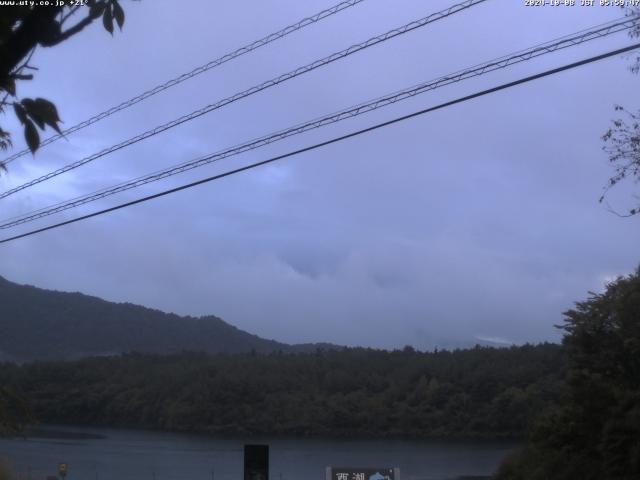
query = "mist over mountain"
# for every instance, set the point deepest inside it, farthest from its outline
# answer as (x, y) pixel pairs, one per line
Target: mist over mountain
(38, 324)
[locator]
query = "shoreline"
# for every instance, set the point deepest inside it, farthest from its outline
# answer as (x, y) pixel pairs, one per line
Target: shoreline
(83, 431)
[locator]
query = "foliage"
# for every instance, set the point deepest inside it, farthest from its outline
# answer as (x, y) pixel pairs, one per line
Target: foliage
(634, 33)
(622, 144)
(594, 432)
(622, 140)
(479, 392)
(24, 27)
(14, 413)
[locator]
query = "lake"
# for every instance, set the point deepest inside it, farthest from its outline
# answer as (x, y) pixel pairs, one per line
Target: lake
(115, 454)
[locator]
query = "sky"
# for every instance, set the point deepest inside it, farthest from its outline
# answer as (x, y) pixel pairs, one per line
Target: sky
(476, 223)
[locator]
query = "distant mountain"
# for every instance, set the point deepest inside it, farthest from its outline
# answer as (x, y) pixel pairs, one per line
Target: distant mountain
(37, 324)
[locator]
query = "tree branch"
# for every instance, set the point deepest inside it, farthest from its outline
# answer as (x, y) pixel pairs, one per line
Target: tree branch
(77, 28)
(71, 11)
(34, 27)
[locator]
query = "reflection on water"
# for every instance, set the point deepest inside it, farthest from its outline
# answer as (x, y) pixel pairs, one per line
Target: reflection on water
(112, 454)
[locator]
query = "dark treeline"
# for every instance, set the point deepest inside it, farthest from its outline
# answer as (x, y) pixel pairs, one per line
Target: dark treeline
(593, 432)
(480, 392)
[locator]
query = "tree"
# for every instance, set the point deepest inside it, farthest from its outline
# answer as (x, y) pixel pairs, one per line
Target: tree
(15, 413)
(622, 140)
(594, 433)
(23, 28)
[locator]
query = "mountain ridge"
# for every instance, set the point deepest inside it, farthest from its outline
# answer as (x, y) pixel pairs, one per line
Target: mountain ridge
(41, 324)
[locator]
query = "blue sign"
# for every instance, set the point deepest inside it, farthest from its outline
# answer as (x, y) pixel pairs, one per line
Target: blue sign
(348, 473)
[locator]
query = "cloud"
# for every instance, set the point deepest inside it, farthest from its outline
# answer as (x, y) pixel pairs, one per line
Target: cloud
(478, 218)
(495, 340)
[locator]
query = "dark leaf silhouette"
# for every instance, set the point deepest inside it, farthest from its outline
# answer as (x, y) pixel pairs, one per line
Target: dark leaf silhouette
(32, 110)
(48, 112)
(47, 30)
(107, 19)
(20, 113)
(9, 85)
(96, 8)
(32, 136)
(118, 14)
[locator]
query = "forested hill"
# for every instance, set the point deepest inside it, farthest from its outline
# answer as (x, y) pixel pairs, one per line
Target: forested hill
(43, 324)
(479, 392)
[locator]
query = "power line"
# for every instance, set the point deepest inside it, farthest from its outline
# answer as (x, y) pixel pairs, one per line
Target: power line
(567, 41)
(503, 86)
(258, 88)
(196, 71)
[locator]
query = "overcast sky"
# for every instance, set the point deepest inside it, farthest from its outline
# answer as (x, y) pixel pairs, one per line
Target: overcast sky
(477, 222)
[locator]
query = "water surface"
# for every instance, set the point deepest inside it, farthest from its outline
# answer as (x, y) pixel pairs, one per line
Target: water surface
(114, 454)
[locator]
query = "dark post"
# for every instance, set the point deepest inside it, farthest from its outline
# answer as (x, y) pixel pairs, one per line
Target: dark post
(256, 462)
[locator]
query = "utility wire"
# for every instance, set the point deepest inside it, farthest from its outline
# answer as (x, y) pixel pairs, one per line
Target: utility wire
(503, 86)
(258, 88)
(567, 41)
(196, 71)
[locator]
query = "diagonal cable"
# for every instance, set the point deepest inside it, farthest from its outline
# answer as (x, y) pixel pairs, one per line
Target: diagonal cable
(196, 71)
(258, 88)
(331, 141)
(578, 38)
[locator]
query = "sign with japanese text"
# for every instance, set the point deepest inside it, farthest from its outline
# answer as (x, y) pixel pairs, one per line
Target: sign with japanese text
(348, 473)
